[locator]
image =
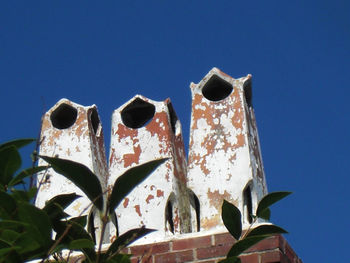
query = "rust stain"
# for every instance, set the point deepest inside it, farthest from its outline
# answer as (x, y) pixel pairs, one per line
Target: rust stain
(77, 149)
(152, 187)
(160, 129)
(113, 238)
(126, 202)
(216, 199)
(160, 193)
(124, 132)
(132, 158)
(176, 220)
(211, 222)
(112, 156)
(79, 123)
(167, 175)
(149, 198)
(137, 209)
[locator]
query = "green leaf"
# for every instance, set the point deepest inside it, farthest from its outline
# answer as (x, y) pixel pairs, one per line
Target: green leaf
(232, 219)
(119, 258)
(81, 176)
(39, 221)
(21, 195)
(81, 220)
(265, 214)
(10, 162)
(19, 143)
(79, 244)
(75, 232)
(8, 235)
(8, 206)
(269, 200)
(55, 206)
(231, 260)
(26, 243)
(243, 245)
(129, 180)
(9, 255)
(26, 173)
(267, 230)
(126, 239)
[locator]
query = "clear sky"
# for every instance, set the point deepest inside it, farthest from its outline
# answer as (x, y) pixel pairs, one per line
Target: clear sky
(105, 52)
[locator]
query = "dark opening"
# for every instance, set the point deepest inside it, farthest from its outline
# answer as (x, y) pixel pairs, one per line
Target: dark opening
(169, 216)
(64, 116)
(194, 201)
(248, 92)
(137, 113)
(247, 195)
(95, 121)
(216, 89)
(173, 117)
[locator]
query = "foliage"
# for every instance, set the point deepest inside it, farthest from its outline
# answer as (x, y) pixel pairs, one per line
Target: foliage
(231, 217)
(26, 231)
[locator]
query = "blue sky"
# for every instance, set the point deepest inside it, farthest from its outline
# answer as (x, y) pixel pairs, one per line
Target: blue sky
(298, 52)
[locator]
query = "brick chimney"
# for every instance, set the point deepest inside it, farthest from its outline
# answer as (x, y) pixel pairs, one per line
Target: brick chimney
(182, 201)
(224, 153)
(71, 131)
(144, 130)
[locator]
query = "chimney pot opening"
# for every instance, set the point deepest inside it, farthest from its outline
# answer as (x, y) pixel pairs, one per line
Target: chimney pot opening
(64, 116)
(216, 89)
(137, 114)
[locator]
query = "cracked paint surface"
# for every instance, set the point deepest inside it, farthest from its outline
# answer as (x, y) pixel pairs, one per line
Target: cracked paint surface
(146, 204)
(78, 142)
(224, 158)
(223, 151)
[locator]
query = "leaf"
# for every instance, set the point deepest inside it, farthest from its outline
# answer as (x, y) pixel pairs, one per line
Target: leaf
(81, 176)
(8, 206)
(19, 143)
(265, 214)
(231, 260)
(25, 173)
(38, 220)
(8, 235)
(55, 206)
(75, 232)
(78, 244)
(126, 239)
(10, 162)
(81, 220)
(26, 243)
(129, 180)
(269, 200)
(21, 195)
(243, 245)
(9, 255)
(119, 258)
(266, 230)
(232, 219)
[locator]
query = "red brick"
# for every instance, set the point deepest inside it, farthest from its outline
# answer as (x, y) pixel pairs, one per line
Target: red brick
(213, 252)
(252, 258)
(175, 257)
(190, 243)
(266, 244)
(224, 239)
(271, 257)
(150, 249)
(290, 253)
